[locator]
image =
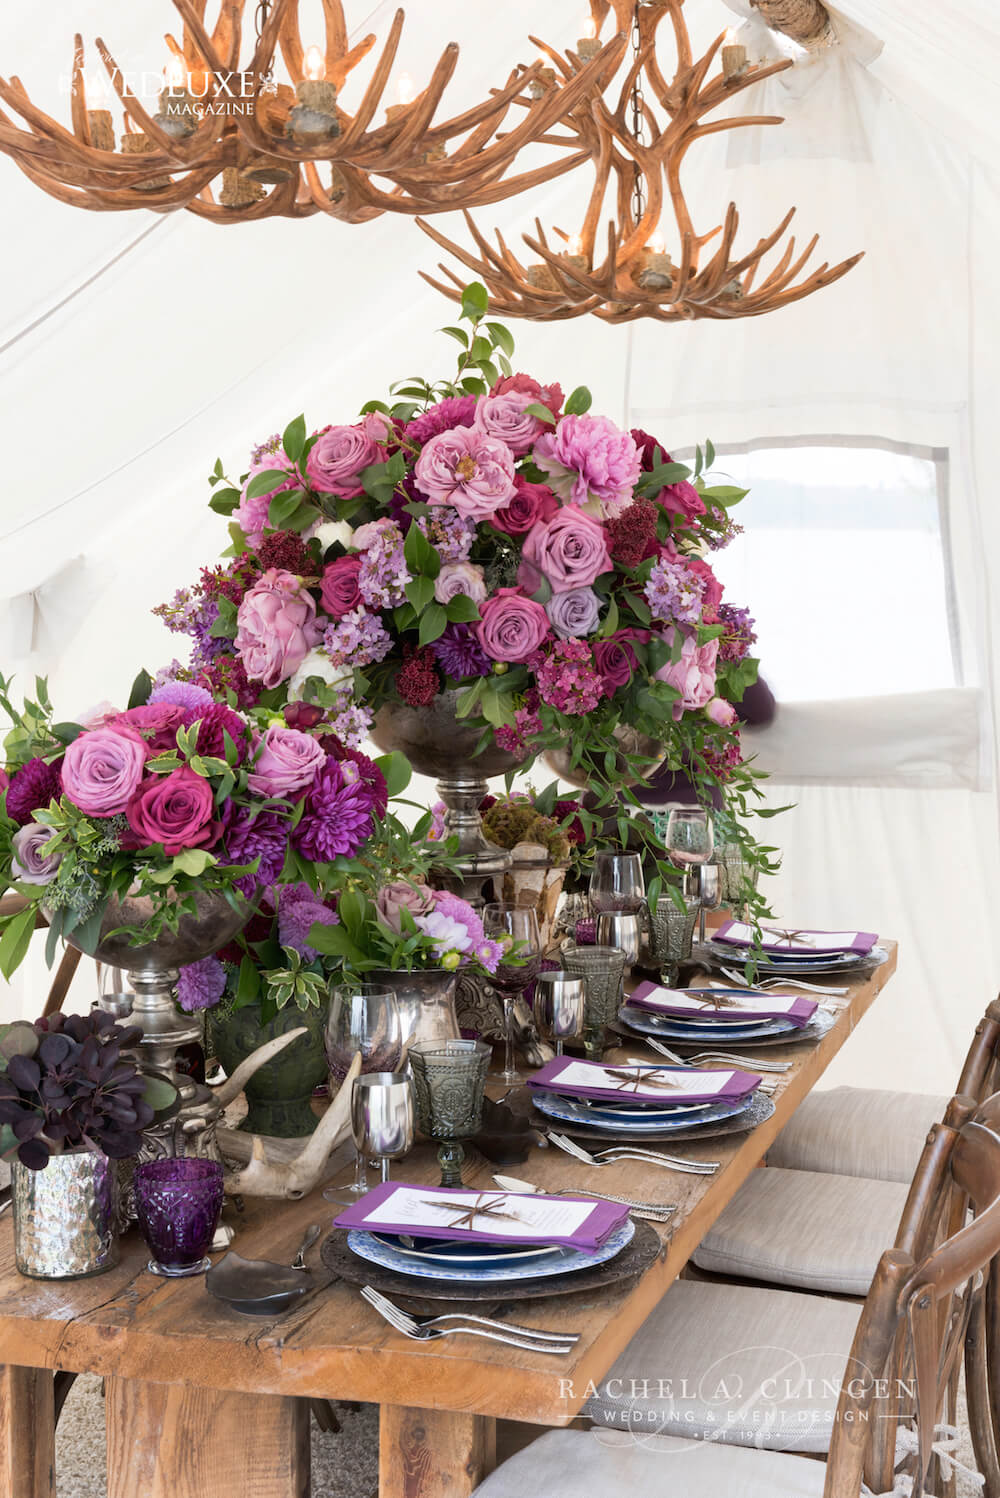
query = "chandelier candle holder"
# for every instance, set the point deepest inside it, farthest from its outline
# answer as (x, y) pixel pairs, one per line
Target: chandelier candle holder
(636, 139)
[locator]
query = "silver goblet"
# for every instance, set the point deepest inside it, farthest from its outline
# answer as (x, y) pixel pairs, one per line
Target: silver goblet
(709, 893)
(560, 1000)
(620, 929)
(382, 1117)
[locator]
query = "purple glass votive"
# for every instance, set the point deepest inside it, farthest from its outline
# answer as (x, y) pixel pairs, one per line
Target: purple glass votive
(178, 1204)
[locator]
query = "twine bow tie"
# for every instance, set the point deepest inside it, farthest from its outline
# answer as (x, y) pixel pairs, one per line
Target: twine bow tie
(716, 999)
(485, 1205)
(791, 936)
(646, 1076)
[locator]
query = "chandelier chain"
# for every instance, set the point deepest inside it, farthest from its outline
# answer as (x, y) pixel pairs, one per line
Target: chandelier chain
(260, 21)
(638, 120)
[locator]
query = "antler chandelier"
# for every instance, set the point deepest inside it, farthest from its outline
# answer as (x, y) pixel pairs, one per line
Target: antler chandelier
(636, 158)
(231, 143)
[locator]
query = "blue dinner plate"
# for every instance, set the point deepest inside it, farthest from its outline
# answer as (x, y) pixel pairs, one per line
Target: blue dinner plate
(564, 1110)
(375, 1250)
(647, 1023)
(454, 1251)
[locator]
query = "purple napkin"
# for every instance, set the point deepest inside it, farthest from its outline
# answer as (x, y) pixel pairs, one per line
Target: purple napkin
(713, 1004)
(564, 1075)
(789, 941)
(499, 1216)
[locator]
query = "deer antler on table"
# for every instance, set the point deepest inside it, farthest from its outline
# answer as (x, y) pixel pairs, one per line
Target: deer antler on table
(636, 160)
(216, 121)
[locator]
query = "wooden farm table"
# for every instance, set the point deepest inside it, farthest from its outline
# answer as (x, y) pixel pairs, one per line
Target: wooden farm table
(204, 1403)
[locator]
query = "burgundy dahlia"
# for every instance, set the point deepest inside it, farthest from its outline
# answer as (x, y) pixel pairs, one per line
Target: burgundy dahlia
(215, 722)
(35, 784)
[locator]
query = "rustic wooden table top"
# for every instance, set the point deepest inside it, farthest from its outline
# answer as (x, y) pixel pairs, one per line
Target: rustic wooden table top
(129, 1324)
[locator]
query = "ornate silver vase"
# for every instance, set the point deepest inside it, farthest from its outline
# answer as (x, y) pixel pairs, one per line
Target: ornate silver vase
(426, 1000)
(66, 1216)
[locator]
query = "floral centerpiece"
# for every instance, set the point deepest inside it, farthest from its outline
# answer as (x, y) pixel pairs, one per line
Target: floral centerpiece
(486, 535)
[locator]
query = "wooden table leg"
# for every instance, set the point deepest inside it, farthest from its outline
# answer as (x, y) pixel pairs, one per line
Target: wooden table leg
(27, 1433)
(433, 1453)
(170, 1441)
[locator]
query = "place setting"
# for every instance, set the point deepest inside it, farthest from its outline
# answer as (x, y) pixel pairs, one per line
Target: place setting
(788, 952)
(710, 1016)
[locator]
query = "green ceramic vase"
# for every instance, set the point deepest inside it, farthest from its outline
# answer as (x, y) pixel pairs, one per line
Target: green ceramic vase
(280, 1093)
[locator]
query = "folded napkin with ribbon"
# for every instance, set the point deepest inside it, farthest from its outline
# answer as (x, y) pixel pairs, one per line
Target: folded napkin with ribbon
(642, 1084)
(483, 1216)
(707, 1005)
(787, 940)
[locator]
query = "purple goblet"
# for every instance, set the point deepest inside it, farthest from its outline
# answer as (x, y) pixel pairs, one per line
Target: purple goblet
(178, 1204)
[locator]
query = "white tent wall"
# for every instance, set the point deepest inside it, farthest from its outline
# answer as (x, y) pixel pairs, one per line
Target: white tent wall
(118, 392)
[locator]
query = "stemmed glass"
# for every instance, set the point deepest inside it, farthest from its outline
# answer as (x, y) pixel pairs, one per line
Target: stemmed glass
(382, 1117)
(363, 1017)
(560, 1000)
(690, 839)
(517, 926)
(617, 886)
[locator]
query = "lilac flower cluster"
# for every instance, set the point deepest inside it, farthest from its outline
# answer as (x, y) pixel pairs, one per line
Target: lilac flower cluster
(384, 574)
(567, 680)
(459, 652)
(727, 532)
(266, 450)
(352, 722)
(735, 643)
(449, 533)
(357, 639)
(299, 909)
(674, 594)
(191, 613)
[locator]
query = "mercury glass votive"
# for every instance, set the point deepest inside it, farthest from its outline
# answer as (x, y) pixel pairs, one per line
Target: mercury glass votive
(449, 1079)
(671, 931)
(178, 1204)
(602, 970)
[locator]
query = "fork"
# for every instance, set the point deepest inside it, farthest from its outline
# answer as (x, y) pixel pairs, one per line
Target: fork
(652, 1157)
(702, 1056)
(655, 1211)
(735, 976)
(407, 1327)
(669, 1162)
(380, 1301)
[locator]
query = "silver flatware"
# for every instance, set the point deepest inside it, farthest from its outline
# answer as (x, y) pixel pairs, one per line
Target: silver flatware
(669, 1162)
(377, 1299)
(655, 1211)
(312, 1233)
(407, 1327)
(700, 1058)
(735, 976)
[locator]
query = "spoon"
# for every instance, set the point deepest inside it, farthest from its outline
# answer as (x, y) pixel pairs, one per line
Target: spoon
(312, 1233)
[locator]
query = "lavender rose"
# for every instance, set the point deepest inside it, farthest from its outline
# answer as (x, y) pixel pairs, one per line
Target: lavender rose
(591, 462)
(571, 549)
(339, 590)
(392, 898)
(288, 762)
(176, 810)
(460, 577)
(575, 613)
(101, 770)
(693, 674)
(276, 627)
(30, 864)
(336, 459)
(531, 503)
(504, 416)
(615, 660)
(512, 626)
(467, 470)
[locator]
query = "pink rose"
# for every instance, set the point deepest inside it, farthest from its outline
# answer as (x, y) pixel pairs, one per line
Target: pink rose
(530, 504)
(712, 595)
(591, 462)
(679, 499)
(252, 514)
(377, 425)
(276, 627)
(550, 396)
(503, 416)
(468, 470)
(156, 722)
(512, 626)
(693, 674)
(392, 898)
(287, 763)
(721, 712)
(460, 577)
(571, 549)
(336, 459)
(176, 810)
(339, 590)
(615, 660)
(101, 769)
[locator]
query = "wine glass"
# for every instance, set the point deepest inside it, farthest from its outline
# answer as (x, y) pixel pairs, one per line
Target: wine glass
(559, 1006)
(617, 886)
(382, 1117)
(363, 1018)
(689, 839)
(517, 927)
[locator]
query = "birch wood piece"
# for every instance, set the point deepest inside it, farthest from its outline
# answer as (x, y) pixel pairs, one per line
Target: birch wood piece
(27, 1433)
(427, 1454)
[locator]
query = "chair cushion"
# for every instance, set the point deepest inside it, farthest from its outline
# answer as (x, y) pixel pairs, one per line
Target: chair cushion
(858, 1131)
(732, 1363)
(812, 1231)
(616, 1464)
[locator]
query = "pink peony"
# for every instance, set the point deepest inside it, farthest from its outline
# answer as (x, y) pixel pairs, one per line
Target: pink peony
(467, 470)
(571, 549)
(712, 595)
(512, 626)
(503, 416)
(460, 577)
(288, 762)
(549, 396)
(276, 627)
(392, 898)
(339, 590)
(101, 769)
(531, 503)
(721, 712)
(252, 514)
(693, 674)
(590, 461)
(176, 810)
(337, 458)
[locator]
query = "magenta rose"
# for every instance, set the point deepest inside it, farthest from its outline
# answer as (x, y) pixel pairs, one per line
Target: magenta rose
(276, 627)
(574, 614)
(176, 810)
(157, 722)
(468, 470)
(504, 416)
(339, 590)
(693, 674)
(101, 770)
(4, 781)
(252, 514)
(712, 594)
(512, 626)
(549, 396)
(615, 660)
(682, 499)
(531, 503)
(591, 462)
(29, 864)
(288, 762)
(337, 457)
(571, 549)
(460, 577)
(392, 898)
(721, 712)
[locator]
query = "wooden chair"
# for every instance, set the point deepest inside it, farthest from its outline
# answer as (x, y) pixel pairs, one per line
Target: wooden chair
(899, 1377)
(68, 963)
